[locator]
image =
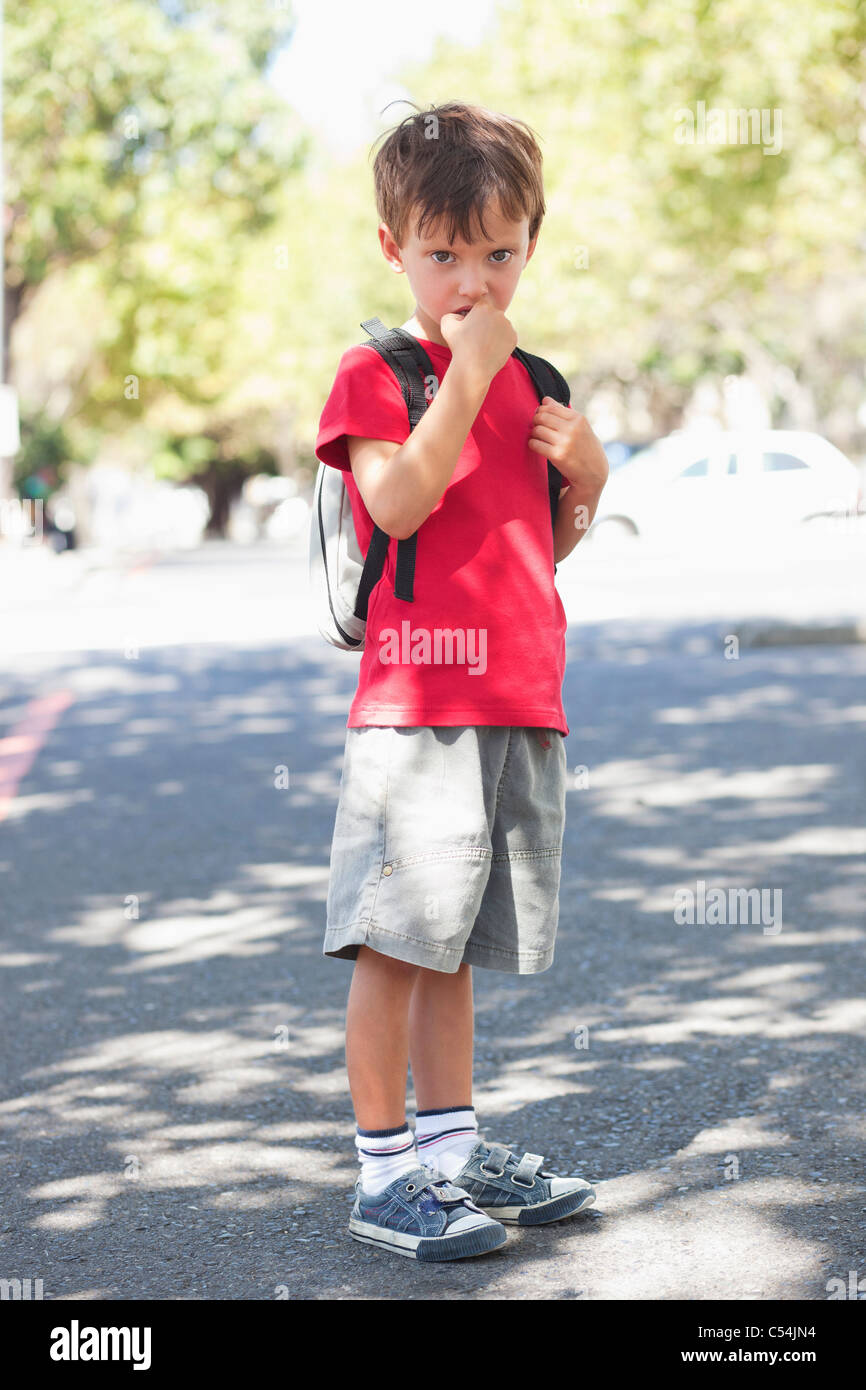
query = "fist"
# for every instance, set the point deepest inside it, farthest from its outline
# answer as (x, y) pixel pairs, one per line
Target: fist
(568, 440)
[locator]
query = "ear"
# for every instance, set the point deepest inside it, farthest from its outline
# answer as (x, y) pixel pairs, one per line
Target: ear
(390, 249)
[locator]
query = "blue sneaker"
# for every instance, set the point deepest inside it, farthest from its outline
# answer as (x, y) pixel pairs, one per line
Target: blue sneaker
(519, 1189)
(424, 1217)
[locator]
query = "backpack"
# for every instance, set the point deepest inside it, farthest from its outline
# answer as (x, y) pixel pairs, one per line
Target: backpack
(341, 578)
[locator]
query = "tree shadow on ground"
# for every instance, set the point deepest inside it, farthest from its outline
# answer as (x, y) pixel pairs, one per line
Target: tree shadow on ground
(176, 1118)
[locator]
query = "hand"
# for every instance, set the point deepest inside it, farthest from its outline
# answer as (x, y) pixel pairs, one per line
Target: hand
(568, 440)
(483, 339)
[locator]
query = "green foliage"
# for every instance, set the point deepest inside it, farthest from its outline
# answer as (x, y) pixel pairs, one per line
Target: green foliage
(42, 461)
(673, 229)
(227, 262)
(147, 148)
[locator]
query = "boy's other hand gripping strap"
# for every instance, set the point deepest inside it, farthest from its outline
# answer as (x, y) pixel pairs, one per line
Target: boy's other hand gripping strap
(547, 382)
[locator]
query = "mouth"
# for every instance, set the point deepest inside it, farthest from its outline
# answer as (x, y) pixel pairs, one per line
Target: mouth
(463, 311)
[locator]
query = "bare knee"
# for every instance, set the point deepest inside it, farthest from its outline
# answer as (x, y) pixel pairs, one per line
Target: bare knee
(397, 969)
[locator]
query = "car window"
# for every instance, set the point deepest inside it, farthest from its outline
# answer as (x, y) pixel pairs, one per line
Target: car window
(781, 463)
(639, 458)
(696, 470)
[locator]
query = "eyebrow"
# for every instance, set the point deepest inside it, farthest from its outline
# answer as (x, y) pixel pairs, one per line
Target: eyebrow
(497, 245)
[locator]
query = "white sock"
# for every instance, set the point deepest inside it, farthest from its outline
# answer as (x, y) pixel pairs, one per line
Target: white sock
(384, 1155)
(445, 1138)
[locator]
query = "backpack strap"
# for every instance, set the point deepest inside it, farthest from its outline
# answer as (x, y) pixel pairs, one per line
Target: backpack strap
(412, 367)
(408, 360)
(547, 382)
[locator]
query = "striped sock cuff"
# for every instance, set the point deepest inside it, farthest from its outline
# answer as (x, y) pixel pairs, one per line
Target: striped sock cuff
(384, 1143)
(442, 1126)
(449, 1110)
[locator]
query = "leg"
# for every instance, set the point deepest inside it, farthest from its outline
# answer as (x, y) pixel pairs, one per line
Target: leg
(441, 1025)
(377, 1038)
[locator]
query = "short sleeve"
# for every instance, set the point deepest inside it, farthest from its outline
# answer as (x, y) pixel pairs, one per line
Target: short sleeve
(366, 400)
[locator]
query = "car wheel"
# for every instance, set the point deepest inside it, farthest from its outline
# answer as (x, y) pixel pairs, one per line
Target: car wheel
(611, 534)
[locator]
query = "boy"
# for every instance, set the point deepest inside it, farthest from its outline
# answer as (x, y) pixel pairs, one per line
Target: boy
(448, 833)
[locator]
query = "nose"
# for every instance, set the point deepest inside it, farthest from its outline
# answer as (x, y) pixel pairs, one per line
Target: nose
(472, 289)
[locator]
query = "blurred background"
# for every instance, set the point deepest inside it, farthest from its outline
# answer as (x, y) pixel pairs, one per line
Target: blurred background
(190, 244)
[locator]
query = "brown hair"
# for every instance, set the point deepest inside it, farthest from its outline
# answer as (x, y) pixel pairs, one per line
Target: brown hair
(450, 162)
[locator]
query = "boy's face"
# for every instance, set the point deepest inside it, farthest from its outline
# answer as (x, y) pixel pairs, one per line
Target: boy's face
(447, 276)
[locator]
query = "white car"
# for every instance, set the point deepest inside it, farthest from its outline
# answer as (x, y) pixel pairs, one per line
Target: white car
(694, 484)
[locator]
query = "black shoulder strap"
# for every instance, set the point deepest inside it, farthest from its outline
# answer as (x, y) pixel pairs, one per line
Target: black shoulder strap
(547, 382)
(413, 369)
(408, 360)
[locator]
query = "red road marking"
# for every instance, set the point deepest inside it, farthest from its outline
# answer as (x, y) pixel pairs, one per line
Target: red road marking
(142, 566)
(18, 750)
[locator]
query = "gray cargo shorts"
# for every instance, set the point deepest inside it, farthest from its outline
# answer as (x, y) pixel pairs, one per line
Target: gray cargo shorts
(447, 846)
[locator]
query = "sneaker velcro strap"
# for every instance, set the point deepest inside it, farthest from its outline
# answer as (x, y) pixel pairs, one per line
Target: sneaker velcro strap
(494, 1161)
(525, 1173)
(447, 1192)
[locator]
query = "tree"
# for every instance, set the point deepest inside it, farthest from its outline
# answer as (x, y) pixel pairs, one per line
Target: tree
(145, 146)
(663, 262)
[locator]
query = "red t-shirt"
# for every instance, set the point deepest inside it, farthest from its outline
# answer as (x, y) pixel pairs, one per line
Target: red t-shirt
(484, 640)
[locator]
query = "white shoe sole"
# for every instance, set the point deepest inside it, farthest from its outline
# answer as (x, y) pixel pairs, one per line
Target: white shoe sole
(554, 1209)
(476, 1240)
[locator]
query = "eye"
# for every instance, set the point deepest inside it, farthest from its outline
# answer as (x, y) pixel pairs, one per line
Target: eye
(503, 251)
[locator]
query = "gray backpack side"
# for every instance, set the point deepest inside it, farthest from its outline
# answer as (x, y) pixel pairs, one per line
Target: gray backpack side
(341, 578)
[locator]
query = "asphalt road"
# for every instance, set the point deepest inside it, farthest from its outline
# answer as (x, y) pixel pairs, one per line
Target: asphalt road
(175, 1120)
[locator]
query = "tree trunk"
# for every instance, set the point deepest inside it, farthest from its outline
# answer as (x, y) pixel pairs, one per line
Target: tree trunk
(222, 483)
(13, 296)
